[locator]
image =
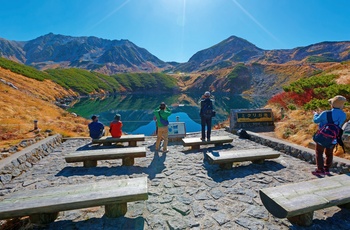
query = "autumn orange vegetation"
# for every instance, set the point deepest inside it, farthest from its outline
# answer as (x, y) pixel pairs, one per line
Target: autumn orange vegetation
(297, 127)
(28, 100)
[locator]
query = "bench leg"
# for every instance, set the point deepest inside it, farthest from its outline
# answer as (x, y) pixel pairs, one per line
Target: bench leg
(116, 210)
(195, 147)
(226, 165)
(107, 144)
(90, 163)
(128, 161)
(218, 144)
(258, 161)
(43, 218)
(302, 220)
(132, 143)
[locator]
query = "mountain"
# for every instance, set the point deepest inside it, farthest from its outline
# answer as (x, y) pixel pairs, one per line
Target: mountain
(234, 65)
(117, 56)
(92, 53)
(234, 50)
(227, 52)
(320, 52)
(12, 50)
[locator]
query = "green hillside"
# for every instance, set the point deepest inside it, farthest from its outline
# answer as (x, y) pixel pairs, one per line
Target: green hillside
(136, 82)
(85, 82)
(24, 70)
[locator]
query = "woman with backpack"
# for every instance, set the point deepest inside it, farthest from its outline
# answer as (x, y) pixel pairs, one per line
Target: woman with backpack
(338, 117)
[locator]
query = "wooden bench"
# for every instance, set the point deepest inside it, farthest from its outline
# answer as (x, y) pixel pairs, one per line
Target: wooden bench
(196, 142)
(226, 159)
(43, 205)
(108, 140)
(298, 201)
(90, 157)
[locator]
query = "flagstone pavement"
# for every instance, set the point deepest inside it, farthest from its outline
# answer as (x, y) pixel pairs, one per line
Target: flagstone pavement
(185, 191)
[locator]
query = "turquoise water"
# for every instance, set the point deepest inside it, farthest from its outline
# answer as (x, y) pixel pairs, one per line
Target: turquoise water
(136, 110)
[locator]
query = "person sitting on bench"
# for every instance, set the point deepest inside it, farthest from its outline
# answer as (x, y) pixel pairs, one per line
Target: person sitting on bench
(115, 127)
(96, 128)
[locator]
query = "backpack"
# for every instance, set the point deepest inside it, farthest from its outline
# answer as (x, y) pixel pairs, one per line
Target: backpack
(243, 134)
(207, 109)
(328, 135)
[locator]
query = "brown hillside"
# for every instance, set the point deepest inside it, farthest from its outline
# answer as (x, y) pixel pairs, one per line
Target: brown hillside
(297, 125)
(24, 100)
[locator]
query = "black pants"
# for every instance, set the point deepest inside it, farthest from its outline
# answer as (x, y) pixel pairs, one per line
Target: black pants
(206, 122)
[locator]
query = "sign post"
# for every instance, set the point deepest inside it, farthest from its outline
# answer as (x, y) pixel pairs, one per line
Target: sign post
(259, 120)
(177, 130)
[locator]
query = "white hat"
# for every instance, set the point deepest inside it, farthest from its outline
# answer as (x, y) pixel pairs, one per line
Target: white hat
(337, 101)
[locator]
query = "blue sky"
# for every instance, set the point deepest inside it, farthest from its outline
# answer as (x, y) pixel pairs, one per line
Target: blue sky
(174, 30)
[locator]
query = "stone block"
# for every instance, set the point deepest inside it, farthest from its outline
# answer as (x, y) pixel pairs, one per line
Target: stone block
(5, 178)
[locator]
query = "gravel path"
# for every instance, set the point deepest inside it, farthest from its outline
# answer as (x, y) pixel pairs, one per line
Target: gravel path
(185, 192)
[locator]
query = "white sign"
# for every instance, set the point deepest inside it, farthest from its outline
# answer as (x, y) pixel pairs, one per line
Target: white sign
(177, 129)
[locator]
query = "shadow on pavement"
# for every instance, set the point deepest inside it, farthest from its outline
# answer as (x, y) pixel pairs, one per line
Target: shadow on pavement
(97, 223)
(156, 166)
(238, 170)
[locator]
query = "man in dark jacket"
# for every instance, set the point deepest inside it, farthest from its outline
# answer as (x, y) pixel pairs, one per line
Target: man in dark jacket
(206, 114)
(96, 128)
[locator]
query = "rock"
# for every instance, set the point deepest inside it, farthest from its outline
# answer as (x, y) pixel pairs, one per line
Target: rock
(13, 149)
(5, 178)
(221, 218)
(181, 208)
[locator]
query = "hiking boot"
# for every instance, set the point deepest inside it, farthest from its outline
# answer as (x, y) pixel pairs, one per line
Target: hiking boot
(327, 172)
(318, 172)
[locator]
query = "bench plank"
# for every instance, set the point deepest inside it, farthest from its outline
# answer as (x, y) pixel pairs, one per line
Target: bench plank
(69, 197)
(226, 158)
(298, 199)
(90, 157)
(108, 140)
(195, 142)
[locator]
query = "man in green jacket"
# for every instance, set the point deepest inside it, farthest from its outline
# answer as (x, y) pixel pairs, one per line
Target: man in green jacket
(162, 113)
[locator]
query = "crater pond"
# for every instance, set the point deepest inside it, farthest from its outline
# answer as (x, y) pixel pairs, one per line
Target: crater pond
(136, 110)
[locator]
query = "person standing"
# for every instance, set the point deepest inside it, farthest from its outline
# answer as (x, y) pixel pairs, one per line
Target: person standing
(339, 117)
(206, 114)
(162, 113)
(115, 127)
(96, 128)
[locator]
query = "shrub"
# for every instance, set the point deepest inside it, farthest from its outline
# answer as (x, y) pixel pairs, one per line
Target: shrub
(23, 70)
(239, 69)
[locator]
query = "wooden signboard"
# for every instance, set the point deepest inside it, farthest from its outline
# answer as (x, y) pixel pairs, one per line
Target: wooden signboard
(252, 119)
(254, 116)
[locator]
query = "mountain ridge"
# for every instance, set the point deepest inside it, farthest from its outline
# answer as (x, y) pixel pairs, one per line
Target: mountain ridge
(89, 53)
(118, 56)
(234, 65)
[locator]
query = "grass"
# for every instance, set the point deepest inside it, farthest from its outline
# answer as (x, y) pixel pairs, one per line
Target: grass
(298, 127)
(33, 100)
(84, 82)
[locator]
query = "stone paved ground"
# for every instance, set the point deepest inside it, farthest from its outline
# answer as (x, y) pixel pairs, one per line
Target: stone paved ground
(185, 192)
